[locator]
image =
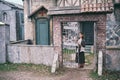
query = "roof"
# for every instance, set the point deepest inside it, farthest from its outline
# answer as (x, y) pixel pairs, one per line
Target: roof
(12, 5)
(37, 10)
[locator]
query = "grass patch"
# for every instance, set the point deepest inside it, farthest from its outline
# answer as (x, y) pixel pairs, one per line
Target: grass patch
(24, 67)
(8, 67)
(89, 58)
(67, 54)
(107, 75)
(68, 51)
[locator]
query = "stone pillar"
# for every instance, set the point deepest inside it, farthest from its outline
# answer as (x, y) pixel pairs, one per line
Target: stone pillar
(4, 40)
(28, 27)
(57, 38)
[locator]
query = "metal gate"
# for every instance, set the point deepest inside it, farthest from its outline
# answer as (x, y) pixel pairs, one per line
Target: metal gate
(70, 32)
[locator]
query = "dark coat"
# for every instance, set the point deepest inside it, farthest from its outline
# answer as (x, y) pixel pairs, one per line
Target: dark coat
(80, 57)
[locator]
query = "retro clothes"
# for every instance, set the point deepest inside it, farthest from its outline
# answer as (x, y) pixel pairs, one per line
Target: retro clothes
(80, 57)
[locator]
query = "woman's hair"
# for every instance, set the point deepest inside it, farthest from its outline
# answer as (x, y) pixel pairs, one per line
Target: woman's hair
(82, 35)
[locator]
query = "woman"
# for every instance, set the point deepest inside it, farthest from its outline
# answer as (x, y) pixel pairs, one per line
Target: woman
(81, 50)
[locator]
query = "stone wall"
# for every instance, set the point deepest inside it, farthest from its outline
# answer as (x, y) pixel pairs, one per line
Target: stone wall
(4, 40)
(31, 54)
(113, 40)
(113, 58)
(28, 25)
(100, 29)
(113, 28)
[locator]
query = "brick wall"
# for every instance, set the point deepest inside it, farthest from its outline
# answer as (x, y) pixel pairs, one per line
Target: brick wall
(100, 20)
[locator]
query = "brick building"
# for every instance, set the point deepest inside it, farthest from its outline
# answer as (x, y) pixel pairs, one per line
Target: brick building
(58, 22)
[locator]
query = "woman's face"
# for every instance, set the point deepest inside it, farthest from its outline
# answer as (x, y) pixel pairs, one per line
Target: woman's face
(81, 35)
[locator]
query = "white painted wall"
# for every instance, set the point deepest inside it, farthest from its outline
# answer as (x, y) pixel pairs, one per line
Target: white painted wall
(31, 54)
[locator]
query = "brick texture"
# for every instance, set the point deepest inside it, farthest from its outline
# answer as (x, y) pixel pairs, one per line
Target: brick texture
(100, 20)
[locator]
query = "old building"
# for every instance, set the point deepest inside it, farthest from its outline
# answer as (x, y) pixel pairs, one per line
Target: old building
(56, 23)
(12, 14)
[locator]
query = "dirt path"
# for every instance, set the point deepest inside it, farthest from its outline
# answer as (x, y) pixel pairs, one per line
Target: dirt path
(69, 74)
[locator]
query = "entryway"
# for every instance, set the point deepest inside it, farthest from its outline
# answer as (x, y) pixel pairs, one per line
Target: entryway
(70, 31)
(42, 32)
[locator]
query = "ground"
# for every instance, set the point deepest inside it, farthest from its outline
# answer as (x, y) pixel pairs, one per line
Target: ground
(67, 74)
(10, 71)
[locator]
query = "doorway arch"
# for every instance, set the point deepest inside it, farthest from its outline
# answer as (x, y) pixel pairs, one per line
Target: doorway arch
(70, 34)
(99, 37)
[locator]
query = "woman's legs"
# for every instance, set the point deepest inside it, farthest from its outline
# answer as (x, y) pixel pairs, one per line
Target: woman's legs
(81, 60)
(80, 65)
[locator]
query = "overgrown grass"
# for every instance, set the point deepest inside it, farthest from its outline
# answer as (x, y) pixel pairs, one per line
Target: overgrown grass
(107, 75)
(24, 67)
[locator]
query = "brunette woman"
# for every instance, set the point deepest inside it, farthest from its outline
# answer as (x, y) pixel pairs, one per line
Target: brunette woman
(81, 50)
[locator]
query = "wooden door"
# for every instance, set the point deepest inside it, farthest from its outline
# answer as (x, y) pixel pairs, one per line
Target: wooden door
(88, 30)
(42, 32)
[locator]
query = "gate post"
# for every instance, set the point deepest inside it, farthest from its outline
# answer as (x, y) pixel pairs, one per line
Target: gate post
(4, 40)
(100, 63)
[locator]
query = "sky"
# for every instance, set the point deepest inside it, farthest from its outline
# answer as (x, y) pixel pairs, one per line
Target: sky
(16, 1)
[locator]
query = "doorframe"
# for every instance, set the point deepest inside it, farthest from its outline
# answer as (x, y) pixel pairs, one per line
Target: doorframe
(94, 44)
(36, 29)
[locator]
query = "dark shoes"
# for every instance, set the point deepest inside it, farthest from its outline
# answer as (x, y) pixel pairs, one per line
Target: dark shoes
(80, 65)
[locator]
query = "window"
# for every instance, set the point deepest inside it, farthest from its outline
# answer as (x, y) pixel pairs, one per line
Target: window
(4, 16)
(22, 17)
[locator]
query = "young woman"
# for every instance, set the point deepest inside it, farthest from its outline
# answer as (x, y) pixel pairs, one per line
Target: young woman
(81, 50)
